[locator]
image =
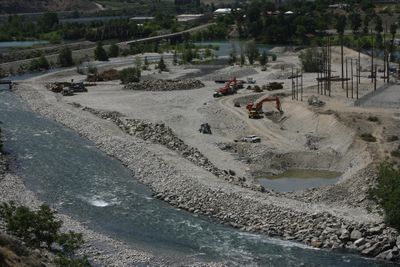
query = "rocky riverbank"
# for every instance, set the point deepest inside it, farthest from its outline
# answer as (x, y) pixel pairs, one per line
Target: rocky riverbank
(201, 192)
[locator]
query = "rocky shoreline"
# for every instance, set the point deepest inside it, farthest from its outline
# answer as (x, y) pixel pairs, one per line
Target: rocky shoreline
(201, 192)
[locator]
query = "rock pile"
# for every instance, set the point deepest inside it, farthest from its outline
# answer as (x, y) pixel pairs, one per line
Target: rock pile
(159, 133)
(165, 85)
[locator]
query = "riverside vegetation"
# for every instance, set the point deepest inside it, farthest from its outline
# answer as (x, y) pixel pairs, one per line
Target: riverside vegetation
(40, 228)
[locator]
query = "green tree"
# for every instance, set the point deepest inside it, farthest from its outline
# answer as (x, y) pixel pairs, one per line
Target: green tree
(387, 193)
(65, 57)
(242, 59)
(138, 62)
(113, 51)
(161, 64)
(355, 21)
(310, 60)
(175, 58)
(252, 52)
(130, 75)
(48, 21)
(263, 58)
(39, 64)
(232, 57)
(187, 55)
(99, 53)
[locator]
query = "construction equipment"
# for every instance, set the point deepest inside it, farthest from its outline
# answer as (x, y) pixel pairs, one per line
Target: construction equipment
(229, 88)
(251, 80)
(274, 86)
(66, 91)
(77, 87)
(255, 109)
(205, 128)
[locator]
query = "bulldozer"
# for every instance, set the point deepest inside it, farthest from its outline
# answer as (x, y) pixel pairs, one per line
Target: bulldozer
(229, 88)
(255, 109)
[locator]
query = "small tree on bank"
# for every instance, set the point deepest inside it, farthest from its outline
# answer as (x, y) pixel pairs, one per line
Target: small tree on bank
(161, 64)
(113, 51)
(99, 53)
(310, 60)
(65, 57)
(130, 75)
(263, 58)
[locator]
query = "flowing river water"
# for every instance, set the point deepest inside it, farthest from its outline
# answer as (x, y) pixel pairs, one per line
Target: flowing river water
(71, 174)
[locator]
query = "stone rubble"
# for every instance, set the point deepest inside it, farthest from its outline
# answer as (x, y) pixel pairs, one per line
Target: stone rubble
(159, 133)
(236, 206)
(165, 85)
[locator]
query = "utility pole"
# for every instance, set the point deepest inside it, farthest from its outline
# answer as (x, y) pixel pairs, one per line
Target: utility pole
(372, 58)
(301, 87)
(351, 72)
(347, 81)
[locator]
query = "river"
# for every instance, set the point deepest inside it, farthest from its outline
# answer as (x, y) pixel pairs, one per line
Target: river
(72, 175)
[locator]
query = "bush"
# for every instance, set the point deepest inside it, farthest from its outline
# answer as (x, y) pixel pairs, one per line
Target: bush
(395, 153)
(99, 53)
(39, 64)
(65, 57)
(161, 64)
(368, 137)
(40, 227)
(373, 118)
(310, 60)
(129, 75)
(387, 193)
(113, 51)
(32, 227)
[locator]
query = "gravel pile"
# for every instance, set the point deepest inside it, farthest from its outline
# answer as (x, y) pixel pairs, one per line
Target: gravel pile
(229, 73)
(165, 85)
(159, 133)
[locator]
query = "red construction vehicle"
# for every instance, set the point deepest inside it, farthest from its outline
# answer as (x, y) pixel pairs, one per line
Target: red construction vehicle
(229, 88)
(255, 109)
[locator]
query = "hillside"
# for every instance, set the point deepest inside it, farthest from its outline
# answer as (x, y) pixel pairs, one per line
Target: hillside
(28, 6)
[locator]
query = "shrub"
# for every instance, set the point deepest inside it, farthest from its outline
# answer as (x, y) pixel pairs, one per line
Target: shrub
(113, 51)
(39, 64)
(99, 53)
(373, 118)
(387, 193)
(41, 227)
(310, 60)
(129, 75)
(368, 137)
(161, 64)
(32, 227)
(65, 57)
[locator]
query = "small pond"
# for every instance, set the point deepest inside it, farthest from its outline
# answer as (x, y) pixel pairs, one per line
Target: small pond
(299, 179)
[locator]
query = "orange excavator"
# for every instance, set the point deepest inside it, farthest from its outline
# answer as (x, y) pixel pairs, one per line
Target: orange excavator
(255, 109)
(229, 88)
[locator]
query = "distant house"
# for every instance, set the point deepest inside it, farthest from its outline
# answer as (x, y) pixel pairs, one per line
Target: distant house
(189, 17)
(222, 11)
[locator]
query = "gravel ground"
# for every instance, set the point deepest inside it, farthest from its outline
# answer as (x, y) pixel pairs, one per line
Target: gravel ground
(328, 224)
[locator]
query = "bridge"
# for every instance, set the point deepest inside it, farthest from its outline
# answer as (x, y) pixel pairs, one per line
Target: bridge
(167, 36)
(89, 52)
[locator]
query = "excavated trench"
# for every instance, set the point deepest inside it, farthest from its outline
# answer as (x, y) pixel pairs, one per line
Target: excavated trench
(306, 139)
